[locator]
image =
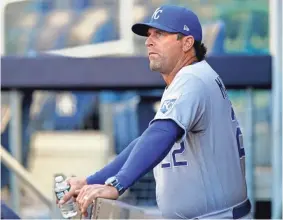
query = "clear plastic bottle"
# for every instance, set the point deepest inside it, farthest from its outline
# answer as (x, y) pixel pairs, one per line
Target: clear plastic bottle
(68, 209)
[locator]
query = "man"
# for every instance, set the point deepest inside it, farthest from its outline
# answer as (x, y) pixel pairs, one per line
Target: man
(194, 142)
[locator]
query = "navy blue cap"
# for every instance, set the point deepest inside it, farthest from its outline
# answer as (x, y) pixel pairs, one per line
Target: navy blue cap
(172, 19)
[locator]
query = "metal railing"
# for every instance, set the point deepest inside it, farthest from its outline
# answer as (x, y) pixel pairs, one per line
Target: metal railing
(115, 209)
(25, 176)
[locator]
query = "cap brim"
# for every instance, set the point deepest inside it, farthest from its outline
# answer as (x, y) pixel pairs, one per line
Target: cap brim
(142, 28)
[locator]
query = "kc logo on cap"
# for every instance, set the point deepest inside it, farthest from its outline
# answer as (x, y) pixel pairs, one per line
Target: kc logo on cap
(156, 13)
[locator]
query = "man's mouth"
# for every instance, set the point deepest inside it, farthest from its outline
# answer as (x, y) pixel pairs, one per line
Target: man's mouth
(151, 53)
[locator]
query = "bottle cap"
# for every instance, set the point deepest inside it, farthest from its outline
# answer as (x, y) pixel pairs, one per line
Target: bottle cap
(59, 179)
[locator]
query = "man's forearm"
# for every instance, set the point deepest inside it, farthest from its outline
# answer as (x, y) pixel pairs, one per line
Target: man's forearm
(153, 146)
(113, 167)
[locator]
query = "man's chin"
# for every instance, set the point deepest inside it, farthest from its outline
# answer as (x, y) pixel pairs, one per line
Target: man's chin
(154, 68)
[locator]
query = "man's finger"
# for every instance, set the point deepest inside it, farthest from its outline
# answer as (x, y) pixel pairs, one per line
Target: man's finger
(81, 193)
(85, 214)
(86, 203)
(67, 196)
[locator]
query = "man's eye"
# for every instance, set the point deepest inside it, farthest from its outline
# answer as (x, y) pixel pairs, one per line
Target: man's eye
(158, 34)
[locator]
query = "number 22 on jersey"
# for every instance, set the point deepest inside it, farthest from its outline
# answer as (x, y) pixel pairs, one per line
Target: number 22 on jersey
(173, 156)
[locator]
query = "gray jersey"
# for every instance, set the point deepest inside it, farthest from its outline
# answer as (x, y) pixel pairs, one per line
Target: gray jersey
(204, 171)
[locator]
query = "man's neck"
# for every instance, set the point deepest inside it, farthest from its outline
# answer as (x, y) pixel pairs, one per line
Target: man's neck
(168, 78)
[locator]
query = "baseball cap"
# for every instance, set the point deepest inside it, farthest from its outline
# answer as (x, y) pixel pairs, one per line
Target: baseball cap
(172, 19)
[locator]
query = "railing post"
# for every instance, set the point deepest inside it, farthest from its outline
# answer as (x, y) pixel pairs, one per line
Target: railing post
(276, 45)
(15, 143)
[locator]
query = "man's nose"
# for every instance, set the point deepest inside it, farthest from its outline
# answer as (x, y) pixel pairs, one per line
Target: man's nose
(148, 42)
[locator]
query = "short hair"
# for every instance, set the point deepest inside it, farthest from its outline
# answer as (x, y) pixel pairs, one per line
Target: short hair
(199, 47)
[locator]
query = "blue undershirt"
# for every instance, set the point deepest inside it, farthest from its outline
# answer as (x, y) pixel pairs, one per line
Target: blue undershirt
(113, 167)
(142, 155)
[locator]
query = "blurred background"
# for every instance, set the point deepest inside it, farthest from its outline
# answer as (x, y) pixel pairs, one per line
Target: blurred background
(78, 132)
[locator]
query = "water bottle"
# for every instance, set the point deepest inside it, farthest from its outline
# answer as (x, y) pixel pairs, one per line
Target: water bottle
(68, 209)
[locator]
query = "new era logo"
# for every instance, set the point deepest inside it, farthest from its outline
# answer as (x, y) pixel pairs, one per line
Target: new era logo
(186, 28)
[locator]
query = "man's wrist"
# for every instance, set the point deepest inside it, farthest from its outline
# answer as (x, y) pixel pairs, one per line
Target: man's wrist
(85, 181)
(116, 190)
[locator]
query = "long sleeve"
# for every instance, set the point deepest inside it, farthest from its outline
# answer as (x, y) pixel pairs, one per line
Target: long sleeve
(113, 167)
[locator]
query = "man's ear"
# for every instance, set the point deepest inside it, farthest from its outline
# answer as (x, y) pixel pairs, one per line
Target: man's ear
(188, 43)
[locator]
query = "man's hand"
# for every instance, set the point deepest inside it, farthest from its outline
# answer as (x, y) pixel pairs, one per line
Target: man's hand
(76, 183)
(90, 192)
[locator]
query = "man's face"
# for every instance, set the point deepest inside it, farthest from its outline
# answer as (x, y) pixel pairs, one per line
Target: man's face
(164, 50)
